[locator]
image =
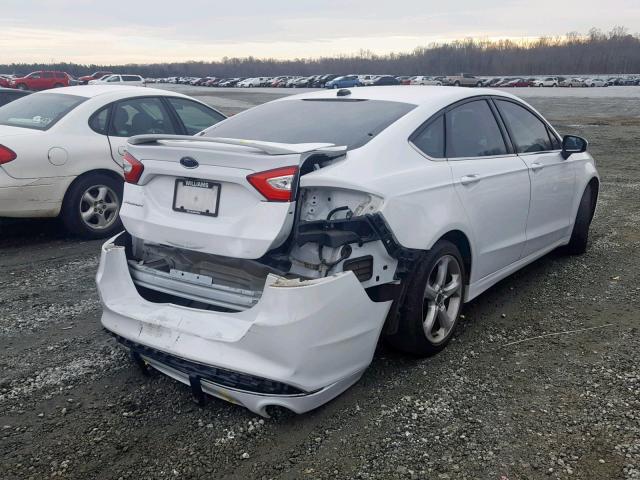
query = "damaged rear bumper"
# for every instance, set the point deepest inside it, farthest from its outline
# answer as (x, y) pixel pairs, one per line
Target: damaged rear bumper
(299, 346)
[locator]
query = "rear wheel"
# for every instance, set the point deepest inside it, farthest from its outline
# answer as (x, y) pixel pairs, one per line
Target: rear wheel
(433, 302)
(92, 205)
(456, 83)
(580, 234)
(22, 86)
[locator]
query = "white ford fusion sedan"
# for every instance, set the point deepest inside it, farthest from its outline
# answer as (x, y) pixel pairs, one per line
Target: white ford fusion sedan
(61, 150)
(263, 260)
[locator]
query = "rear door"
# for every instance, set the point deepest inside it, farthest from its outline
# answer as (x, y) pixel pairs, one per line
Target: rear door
(492, 183)
(552, 177)
(138, 116)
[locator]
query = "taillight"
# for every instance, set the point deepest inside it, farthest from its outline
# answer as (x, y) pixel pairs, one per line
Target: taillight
(132, 168)
(276, 185)
(6, 155)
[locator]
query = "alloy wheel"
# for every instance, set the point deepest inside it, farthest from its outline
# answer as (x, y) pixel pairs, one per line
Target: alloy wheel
(99, 207)
(442, 299)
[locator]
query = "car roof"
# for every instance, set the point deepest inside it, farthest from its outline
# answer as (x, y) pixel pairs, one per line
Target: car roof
(435, 96)
(92, 91)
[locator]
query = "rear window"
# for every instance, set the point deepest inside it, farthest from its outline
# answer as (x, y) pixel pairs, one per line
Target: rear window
(39, 111)
(344, 122)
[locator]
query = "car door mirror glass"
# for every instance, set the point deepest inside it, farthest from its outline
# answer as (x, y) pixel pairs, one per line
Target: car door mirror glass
(573, 144)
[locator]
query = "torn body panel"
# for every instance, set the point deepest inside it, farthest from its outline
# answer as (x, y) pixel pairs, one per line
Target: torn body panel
(314, 335)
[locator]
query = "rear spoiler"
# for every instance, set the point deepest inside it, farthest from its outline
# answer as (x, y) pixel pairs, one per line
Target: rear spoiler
(270, 148)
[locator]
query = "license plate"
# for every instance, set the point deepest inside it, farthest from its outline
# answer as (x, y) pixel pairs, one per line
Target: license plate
(198, 197)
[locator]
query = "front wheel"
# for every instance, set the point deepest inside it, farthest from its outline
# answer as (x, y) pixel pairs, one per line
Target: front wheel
(433, 302)
(91, 208)
(22, 86)
(456, 83)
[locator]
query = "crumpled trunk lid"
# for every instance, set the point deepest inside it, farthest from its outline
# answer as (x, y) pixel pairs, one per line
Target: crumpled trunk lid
(194, 194)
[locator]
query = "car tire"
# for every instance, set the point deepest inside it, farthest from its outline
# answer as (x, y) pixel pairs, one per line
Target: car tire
(456, 83)
(580, 233)
(429, 315)
(22, 86)
(91, 207)
(479, 84)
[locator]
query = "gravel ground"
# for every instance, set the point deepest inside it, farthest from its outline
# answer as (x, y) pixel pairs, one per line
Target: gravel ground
(512, 397)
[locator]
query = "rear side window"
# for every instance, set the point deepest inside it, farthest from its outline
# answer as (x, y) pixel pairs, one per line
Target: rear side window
(98, 121)
(194, 116)
(47, 75)
(39, 111)
(430, 139)
(344, 122)
(59, 75)
(529, 133)
(472, 131)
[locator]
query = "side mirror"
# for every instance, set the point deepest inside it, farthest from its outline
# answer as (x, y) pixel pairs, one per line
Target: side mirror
(573, 144)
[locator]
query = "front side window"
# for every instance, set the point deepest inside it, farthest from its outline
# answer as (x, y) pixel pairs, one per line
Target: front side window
(194, 116)
(39, 111)
(139, 116)
(472, 131)
(34, 75)
(114, 78)
(528, 131)
(343, 122)
(430, 139)
(47, 75)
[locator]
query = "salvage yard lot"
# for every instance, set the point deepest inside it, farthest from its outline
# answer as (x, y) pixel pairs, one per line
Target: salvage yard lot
(491, 406)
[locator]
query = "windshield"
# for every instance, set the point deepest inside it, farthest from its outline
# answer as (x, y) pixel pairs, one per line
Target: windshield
(39, 111)
(344, 122)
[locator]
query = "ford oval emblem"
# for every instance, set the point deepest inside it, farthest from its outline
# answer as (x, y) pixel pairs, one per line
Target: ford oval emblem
(188, 162)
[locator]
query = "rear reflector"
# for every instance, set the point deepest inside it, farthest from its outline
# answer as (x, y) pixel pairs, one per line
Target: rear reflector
(276, 185)
(362, 267)
(6, 155)
(132, 168)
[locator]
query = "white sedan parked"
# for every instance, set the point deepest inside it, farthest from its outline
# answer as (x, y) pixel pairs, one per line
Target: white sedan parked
(128, 80)
(422, 80)
(61, 150)
(262, 261)
(595, 82)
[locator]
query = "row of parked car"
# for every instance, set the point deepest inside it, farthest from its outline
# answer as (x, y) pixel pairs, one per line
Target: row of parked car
(46, 79)
(356, 80)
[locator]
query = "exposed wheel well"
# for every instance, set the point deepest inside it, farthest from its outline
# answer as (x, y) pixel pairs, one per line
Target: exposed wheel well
(102, 171)
(461, 241)
(595, 188)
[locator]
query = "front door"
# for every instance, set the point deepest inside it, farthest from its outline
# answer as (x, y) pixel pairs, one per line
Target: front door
(552, 177)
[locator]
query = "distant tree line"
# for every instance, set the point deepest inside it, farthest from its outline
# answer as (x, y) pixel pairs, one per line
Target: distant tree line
(597, 52)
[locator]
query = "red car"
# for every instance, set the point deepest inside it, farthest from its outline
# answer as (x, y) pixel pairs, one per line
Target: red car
(5, 82)
(96, 76)
(41, 80)
(517, 82)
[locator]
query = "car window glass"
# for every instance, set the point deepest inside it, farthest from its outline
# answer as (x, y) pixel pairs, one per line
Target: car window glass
(59, 75)
(194, 116)
(342, 122)
(98, 121)
(528, 132)
(139, 116)
(34, 75)
(113, 79)
(39, 111)
(47, 75)
(472, 131)
(430, 139)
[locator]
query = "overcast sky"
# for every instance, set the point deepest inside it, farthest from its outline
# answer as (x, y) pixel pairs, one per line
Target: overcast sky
(119, 31)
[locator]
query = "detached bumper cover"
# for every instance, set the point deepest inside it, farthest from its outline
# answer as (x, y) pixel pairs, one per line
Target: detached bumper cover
(309, 341)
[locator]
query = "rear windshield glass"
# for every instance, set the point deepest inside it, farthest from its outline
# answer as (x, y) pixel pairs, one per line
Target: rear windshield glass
(343, 122)
(39, 111)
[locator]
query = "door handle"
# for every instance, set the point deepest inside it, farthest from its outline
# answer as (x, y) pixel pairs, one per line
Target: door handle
(537, 166)
(469, 179)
